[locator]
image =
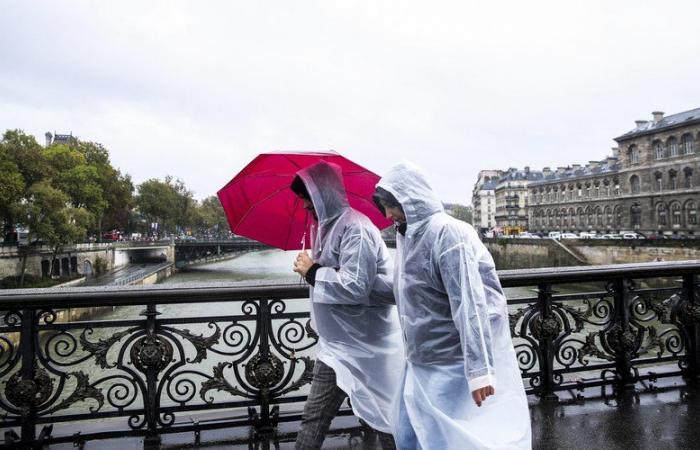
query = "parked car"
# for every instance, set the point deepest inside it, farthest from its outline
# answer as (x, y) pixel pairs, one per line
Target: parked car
(569, 236)
(587, 235)
(554, 235)
(612, 236)
(527, 235)
(113, 235)
(632, 235)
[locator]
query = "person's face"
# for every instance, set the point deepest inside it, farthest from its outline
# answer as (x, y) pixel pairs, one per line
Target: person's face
(393, 213)
(308, 205)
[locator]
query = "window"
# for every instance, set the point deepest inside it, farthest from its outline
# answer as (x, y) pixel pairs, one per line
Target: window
(676, 213)
(661, 214)
(672, 147)
(672, 177)
(636, 215)
(688, 177)
(658, 150)
(633, 154)
(634, 184)
(687, 144)
(617, 214)
(658, 176)
(691, 213)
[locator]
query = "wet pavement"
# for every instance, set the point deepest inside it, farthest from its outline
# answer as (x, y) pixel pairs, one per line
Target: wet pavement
(666, 419)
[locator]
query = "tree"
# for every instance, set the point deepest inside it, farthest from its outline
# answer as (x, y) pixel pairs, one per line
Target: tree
(167, 202)
(460, 212)
(117, 189)
(21, 165)
(211, 216)
(12, 187)
(59, 192)
(49, 215)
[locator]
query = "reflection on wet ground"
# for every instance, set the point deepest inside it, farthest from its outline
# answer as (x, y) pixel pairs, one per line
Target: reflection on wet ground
(668, 419)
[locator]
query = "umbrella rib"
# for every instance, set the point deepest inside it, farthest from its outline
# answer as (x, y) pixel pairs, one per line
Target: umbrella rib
(289, 230)
(272, 194)
(293, 162)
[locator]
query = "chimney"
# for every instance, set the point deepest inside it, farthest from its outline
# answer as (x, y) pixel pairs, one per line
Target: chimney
(560, 170)
(527, 169)
(48, 136)
(593, 164)
(576, 167)
(616, 152)
(546, 171)
(641, 123)
(658, 115)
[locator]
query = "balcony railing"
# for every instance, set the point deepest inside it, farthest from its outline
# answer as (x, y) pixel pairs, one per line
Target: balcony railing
(145, 361)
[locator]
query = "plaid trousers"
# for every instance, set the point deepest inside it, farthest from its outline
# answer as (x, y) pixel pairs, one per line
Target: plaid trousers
(324, 401)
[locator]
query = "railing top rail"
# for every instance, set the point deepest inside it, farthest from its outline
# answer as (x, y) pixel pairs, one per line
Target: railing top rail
(577, 274)
(216, 292)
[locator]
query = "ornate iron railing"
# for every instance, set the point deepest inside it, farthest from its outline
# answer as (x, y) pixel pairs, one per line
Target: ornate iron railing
(153, 356)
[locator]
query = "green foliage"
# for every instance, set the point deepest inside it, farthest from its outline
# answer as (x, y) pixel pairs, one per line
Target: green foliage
(211, 218)
(461, 212)
(50, 216)
(62, 192)
(100, 266)
(11, 185)
(29, 282)
(167, 202)
(26, 153)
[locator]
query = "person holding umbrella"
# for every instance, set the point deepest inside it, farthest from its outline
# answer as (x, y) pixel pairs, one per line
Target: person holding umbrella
(359, 350)
(461, 387)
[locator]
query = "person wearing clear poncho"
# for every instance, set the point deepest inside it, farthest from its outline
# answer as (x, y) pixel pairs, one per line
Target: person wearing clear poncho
(461, 387)
(359, 350)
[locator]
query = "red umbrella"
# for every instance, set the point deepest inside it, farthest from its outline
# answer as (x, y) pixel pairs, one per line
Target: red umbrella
(260, 205)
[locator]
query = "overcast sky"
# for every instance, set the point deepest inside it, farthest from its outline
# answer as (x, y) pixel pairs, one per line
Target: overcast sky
(197, 89)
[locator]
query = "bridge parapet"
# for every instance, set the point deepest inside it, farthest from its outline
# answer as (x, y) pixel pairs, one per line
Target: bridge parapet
(248, 351)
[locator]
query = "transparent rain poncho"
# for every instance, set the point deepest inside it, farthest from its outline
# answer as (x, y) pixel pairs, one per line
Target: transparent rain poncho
(455, 325)
(359, 333)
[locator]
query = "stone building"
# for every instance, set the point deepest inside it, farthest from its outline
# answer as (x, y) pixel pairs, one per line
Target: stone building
(512, 203)
(57, 138)
(484, 199)
(650, 184)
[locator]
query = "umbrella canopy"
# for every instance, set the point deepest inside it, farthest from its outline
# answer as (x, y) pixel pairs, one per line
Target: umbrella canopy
(260, 205)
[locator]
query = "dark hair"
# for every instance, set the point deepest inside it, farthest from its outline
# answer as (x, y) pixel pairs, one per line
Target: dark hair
(382, 195)
(299, 188)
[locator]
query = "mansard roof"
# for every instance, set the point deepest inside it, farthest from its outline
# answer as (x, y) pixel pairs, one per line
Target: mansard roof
(673, 121)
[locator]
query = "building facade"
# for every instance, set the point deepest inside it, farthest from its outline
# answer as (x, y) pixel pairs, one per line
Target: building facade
(650, 184)
(484, 199)
(512, 202)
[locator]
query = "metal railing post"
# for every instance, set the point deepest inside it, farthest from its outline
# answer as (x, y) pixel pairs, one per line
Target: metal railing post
(546, 337)
(692, 325)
